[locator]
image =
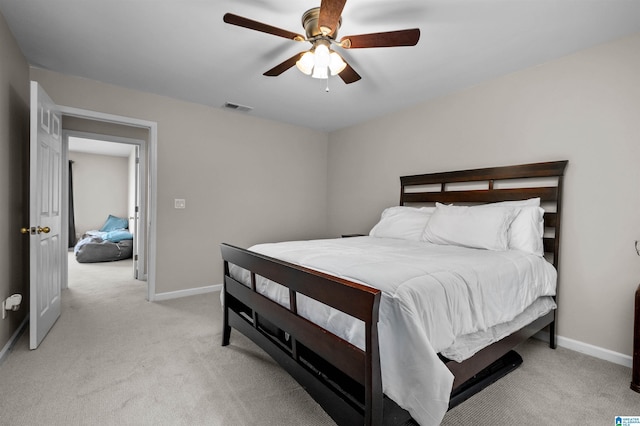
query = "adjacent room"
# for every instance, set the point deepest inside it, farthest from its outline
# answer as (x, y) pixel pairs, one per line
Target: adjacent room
(342, 212)
(102, 197)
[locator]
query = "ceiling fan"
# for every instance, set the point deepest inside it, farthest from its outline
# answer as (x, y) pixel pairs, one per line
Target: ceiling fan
(321, 26)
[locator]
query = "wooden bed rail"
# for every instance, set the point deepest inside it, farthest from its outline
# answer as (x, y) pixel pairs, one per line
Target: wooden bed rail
(308, 349)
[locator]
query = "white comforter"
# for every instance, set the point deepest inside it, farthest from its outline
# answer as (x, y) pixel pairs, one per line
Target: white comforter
(434, 297)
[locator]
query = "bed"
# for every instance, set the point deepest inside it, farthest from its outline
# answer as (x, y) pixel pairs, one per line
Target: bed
(343, 324)
(111, 242)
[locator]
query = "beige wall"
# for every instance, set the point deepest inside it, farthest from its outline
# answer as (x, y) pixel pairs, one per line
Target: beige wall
(14, 143)
(100, 188)
(584, 108)
(248, 180)
(245, 180)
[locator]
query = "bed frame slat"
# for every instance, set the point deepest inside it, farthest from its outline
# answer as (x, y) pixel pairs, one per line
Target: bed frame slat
(481, 196)
(550, 219)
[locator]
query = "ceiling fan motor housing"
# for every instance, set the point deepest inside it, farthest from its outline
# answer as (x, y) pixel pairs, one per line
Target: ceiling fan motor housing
(310, 24)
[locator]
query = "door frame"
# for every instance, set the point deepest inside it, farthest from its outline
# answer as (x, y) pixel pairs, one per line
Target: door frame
(140, 248)
(149, 222)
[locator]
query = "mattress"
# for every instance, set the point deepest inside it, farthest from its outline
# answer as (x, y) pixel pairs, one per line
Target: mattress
(435, 299)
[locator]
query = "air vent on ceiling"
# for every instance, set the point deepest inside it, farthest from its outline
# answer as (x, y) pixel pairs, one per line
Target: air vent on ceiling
(237, 107)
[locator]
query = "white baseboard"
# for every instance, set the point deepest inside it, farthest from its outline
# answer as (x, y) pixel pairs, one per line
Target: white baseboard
(188, 292)
(588, 349)
(14, 339)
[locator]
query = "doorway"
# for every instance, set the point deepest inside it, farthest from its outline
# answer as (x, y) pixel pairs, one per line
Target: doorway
(48, 205)
(101, 124)
(106, 180)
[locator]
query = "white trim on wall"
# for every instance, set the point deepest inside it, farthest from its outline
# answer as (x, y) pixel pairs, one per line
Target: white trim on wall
(188, 292)
(152, 126)
(14, 339)
(588, 349)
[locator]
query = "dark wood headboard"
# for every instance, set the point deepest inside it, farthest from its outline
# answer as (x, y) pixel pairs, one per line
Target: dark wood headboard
(494, 184)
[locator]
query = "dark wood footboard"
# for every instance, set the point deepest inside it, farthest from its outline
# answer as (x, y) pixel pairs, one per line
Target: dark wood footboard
(343, 379)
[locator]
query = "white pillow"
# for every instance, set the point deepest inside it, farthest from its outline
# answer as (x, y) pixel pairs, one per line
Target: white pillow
(402, 222)
(473, 226)
(527, 228)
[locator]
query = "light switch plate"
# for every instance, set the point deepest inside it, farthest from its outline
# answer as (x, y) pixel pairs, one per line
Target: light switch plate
(179, 203)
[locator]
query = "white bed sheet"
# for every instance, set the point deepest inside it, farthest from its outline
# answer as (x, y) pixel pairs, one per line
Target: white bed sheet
(435, 299)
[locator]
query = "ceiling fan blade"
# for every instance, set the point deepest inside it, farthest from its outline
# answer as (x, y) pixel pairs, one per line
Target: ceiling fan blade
(349, 75)
(240, 21)
(330, 11)
(283, 66)
(387, 39)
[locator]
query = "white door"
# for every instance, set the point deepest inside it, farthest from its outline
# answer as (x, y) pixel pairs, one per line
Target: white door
(136, 212)
(46, 248)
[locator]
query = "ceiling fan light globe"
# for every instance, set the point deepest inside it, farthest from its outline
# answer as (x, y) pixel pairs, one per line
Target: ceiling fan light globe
(305, 63)
(320, 72)
(322, 56)
(336, 64)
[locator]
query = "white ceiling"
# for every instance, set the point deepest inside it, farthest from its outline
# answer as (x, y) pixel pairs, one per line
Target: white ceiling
(182, 48)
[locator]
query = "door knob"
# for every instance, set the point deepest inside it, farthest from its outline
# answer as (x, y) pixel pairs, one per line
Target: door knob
(33, 230)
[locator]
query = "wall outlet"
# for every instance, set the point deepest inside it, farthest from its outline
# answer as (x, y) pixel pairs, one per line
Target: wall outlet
(179, 203)
(12, 303)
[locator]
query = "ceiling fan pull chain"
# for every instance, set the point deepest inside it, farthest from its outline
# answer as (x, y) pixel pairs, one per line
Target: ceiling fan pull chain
(327, 89)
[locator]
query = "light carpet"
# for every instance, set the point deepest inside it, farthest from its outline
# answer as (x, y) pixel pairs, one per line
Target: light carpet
(115, 359)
